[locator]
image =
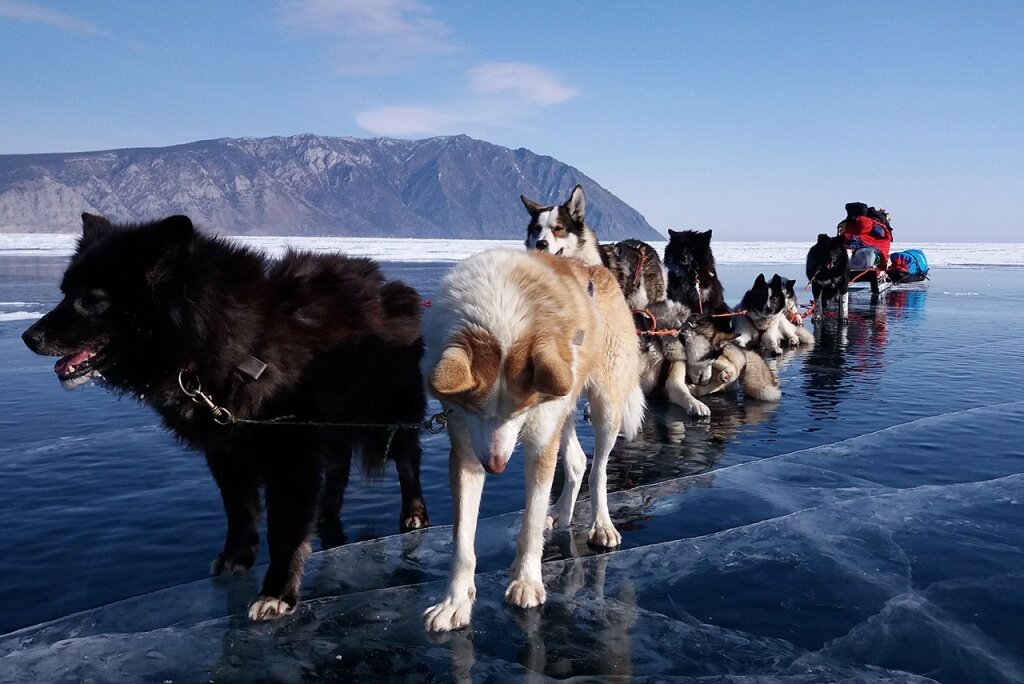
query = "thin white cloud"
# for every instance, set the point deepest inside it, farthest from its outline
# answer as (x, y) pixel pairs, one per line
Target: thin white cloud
(373, 36)
(531, 82)
(499, 95)
(412, 120)
(37, 14)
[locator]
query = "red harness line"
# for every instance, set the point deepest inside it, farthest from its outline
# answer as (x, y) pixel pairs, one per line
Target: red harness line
(639, 268)
(653, 332)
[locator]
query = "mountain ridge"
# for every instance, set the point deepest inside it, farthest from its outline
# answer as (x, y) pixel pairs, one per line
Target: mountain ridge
(307, 184)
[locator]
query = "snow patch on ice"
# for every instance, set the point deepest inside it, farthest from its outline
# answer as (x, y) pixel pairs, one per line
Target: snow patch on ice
(424, 250)
(19, 315)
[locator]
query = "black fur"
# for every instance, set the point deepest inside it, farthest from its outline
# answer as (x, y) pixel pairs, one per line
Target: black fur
(828, 268)
(689, 261)
(340, 342)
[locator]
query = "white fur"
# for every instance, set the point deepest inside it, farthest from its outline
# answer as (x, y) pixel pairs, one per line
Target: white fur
(765, 331)
(476, 294)
(844, 307)
(493, 437)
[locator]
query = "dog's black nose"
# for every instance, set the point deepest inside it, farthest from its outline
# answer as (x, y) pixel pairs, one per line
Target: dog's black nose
(33, 339)
(542, 245)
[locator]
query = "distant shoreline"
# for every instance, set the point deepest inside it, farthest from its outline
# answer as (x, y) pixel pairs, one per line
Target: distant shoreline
(434, 249)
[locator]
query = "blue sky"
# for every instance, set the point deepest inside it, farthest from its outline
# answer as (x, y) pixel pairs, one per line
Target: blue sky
(757, 119)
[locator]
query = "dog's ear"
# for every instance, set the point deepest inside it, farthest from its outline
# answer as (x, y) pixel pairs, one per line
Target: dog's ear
(823, 238)
(530, 205)
(94, 225)
(759, 280)
(551, 374)
(453, 374)
(706, 236)
(720, 339)
(790, 284)
(777, 281)
(673, 233)
(176, 229)
(576, 205)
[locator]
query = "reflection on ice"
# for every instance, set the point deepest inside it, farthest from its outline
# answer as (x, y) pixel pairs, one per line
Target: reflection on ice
(833, 576)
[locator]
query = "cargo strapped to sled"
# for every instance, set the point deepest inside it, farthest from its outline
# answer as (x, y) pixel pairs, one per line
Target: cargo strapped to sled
(909, 262)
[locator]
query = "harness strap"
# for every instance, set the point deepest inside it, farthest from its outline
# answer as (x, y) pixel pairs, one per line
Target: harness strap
(639, 268)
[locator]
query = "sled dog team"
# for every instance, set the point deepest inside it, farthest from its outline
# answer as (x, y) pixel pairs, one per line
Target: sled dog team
(282, 372)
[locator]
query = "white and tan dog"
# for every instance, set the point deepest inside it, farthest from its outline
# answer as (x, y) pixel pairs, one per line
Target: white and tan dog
(514, 339)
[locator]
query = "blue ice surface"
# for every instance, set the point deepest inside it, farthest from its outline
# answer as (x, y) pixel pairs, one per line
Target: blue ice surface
(869, 527)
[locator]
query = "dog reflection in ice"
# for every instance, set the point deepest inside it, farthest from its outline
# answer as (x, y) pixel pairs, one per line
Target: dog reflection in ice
(516, 337)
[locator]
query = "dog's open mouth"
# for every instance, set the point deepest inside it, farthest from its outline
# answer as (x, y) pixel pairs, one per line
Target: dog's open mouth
(74, 370)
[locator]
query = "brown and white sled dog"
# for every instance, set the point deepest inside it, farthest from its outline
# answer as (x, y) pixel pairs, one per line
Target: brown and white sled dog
(666, 356)
(713, 356)
(563, 231)
(515, 338)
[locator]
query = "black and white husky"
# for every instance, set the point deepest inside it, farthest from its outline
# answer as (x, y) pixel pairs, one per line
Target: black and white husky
(828, 269)
(760, 326)
(792, 323)
(562, 230)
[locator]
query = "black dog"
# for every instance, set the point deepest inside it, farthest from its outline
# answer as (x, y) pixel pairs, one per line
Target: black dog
(692, 279)
(828, 269)
(159, 311)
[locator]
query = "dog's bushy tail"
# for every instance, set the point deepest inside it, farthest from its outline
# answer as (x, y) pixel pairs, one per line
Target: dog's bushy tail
(633, 413)
(759, 382)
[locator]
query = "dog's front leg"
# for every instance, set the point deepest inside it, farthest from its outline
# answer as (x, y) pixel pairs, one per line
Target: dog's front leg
(467, 482)
(771, 340)
(819, 302)
(238, 481)
(293, 491)
(527, 587)
(407, 450)
(679, 394)
(844, 307)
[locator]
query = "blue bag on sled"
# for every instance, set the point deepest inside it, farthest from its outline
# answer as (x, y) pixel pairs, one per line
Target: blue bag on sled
(908, 266)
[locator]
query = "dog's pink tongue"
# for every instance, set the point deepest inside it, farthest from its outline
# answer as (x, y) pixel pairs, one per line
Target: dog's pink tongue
(71, 360)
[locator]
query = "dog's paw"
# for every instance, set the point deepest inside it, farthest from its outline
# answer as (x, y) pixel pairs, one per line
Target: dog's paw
(448, 615)
(525, 593)
(793, 341)
(698, 408)
(269, 608)
(775, 351)
(233, 563)
(415, 518)
(727, 375)
(559, 518)
(604, 535)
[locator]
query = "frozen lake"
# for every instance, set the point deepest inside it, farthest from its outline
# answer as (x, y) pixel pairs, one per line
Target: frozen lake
(868, 527)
